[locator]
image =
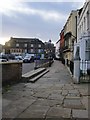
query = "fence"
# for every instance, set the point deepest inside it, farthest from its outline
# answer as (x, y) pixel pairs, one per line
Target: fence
(71, 66)
(84, 71)
(43, 63)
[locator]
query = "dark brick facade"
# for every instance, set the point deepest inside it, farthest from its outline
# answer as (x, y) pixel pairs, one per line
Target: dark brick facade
(24, 45)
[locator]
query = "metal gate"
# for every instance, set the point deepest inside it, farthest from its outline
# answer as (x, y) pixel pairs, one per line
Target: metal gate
(84, 71)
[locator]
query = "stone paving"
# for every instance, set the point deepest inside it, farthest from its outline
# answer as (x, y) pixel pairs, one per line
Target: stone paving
(53, 96)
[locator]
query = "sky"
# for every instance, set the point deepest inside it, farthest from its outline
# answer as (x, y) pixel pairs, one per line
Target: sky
(35, 19)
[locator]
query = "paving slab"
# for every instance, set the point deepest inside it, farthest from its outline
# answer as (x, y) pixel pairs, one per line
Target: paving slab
(5, 102)
(84, 92)
(56, 97)
(64, 92)
(68, 87)
(42, 95)
(73, 95)
(14, 109)
(86, 101)
(34, 112)
(74, 103)
(31, 86)
(80, 114)
(47, 102)
(58, 112)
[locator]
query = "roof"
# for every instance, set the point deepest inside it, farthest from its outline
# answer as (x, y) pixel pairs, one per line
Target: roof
(27, 39)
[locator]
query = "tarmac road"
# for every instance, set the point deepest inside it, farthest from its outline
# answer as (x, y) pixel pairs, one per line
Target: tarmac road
(27, 67)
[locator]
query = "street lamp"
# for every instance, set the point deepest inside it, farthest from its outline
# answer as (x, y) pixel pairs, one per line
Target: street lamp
(35, 67)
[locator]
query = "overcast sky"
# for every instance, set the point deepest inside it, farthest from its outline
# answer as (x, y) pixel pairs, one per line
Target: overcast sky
(43, 20)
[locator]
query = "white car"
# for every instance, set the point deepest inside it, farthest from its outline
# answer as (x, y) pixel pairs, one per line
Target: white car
(18, 58)
(3, 60)
(26, 59)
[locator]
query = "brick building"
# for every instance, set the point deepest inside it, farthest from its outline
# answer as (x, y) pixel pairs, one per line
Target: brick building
(49, 49)
(20, 46)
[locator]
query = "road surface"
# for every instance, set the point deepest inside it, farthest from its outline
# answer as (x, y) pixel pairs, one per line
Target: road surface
(26, 67)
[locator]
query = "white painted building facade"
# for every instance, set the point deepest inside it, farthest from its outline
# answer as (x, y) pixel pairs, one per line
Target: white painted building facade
(57, 50)
(83, 35)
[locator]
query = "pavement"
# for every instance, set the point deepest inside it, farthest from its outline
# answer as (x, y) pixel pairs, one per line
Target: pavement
(54, 96)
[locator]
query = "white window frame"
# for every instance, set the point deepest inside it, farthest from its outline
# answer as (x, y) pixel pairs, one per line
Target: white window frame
(17, 44)
(31, 45)
(32, 50)
(39, 45)
(25, 44)
(39, 50)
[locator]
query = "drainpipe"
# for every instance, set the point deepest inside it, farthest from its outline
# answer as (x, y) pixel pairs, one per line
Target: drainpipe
(76, 28)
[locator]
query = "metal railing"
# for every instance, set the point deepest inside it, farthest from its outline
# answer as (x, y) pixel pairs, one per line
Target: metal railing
(39, 63)
(72, 67)
(84, 71)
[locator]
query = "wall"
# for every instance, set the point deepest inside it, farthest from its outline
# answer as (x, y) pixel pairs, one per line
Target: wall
(83, 31)
(70, 26)
(83, 22)
(57, 50)
(10, 72)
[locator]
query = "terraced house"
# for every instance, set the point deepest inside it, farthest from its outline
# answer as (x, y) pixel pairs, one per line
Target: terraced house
(21, 46)
(82, 46)
(68, 36)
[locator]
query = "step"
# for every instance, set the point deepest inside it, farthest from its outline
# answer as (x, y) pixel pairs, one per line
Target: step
(32, 73)
(38, 76)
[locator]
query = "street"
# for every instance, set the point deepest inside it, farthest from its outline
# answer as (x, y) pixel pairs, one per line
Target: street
(26, 67)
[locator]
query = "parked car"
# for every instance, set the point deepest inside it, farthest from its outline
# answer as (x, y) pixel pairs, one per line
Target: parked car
(3, 58)
(18, 58)
(26, 59)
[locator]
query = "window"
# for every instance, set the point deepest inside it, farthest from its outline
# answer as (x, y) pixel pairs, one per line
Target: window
(80, 30)
(31, 45)
(82, 27)
(25, 45)
(84, 23)
(87, 19)
(87, 55)
(87, 49)
(39, 45)
(39, 50)
(31, 50)
(88, 45)
(25, 50)
(17, 45)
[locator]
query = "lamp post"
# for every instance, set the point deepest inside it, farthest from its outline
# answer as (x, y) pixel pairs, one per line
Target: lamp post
(50, 53)
(35, 62)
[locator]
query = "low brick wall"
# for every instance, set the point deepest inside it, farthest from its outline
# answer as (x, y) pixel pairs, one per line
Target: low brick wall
(10, 72)
(47, 64)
